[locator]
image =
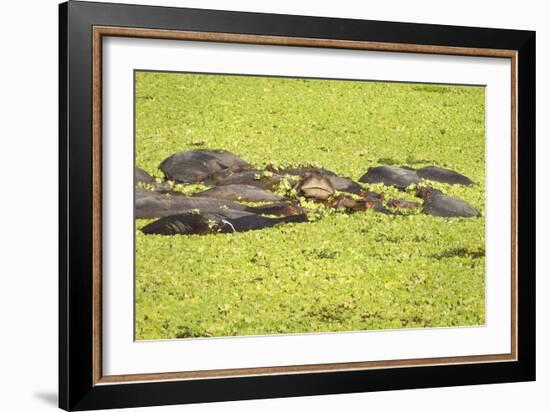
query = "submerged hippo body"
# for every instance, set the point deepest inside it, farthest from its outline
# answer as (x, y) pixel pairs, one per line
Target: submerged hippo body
(141, 176)
(151, 204)
(252, 178)
(240, 192)
(391, 176)
(339, 183)
(212, 223)
(438, 204)
(403, 204)
(355, 205)
(343, 184)
(284, 208)
(198, 165)
(438, 174)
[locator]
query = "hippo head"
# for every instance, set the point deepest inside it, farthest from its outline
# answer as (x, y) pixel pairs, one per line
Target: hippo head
(316, 186)
(427, 192)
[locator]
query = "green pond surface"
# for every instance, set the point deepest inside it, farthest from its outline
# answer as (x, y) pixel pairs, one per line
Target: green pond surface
(341, 272)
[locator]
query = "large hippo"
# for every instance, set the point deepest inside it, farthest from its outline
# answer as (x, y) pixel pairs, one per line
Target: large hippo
(439, 174)
(438, 204)
(151, 204)
(212, 223)
(196, 166)
(240, 192)
(399, 177)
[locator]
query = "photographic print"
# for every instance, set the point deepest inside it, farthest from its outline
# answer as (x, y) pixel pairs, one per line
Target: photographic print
(337, 203)
(279, 205)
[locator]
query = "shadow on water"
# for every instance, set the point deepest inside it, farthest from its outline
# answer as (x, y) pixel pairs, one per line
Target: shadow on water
(460, 252)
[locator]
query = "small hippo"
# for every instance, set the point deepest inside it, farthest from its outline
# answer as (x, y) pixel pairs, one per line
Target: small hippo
(438, 204)
(354, 205)
(403, 204)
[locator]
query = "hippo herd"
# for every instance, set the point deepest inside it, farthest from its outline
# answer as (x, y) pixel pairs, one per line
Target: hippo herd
(220, 209)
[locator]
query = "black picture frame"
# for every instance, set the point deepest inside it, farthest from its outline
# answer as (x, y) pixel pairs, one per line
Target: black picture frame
(77, 390)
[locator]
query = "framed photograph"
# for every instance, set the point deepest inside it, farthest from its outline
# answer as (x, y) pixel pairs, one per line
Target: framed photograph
(256, 205)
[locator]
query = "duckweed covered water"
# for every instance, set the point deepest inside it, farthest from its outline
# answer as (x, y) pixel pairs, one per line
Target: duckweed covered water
(342, 272)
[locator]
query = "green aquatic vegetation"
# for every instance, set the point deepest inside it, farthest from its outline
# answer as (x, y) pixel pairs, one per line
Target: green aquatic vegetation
(340, 271)
(189, 189)
(146, 186)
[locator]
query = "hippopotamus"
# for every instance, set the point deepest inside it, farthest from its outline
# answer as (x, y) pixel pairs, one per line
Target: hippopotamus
(438, 204)
(239, 192)
(342, 184)
(399, 177)
(196, 166)
(354, 205)
(315, 186)
(439, 174)
(212, 223)
(152, 204)
(403, 204)
(141, 176)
